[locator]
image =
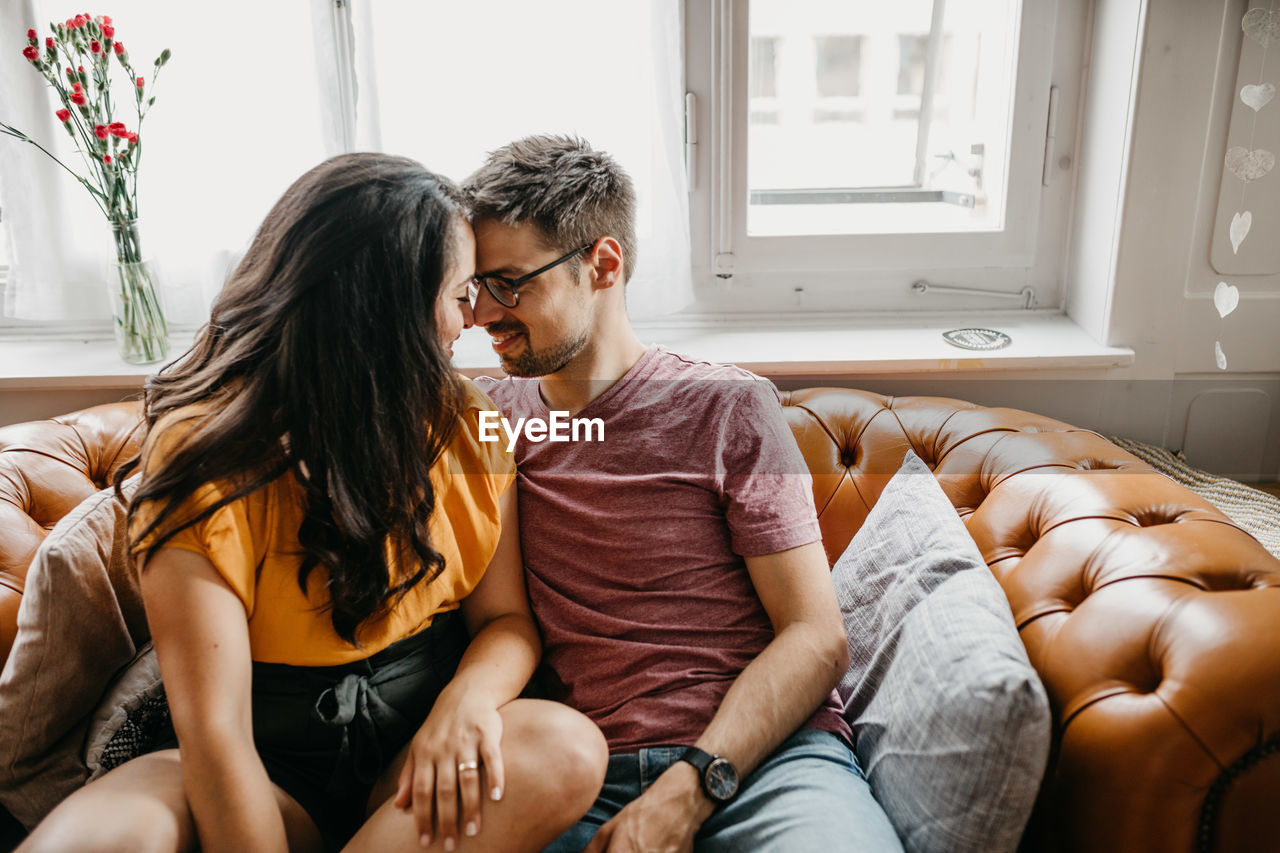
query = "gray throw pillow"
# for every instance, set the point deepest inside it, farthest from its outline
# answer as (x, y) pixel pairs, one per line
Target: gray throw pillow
(950, 720)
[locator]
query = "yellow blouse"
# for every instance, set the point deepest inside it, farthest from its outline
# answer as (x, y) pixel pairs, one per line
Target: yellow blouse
(253, 544)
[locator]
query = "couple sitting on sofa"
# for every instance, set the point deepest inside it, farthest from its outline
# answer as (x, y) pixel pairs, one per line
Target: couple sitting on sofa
(321, 523)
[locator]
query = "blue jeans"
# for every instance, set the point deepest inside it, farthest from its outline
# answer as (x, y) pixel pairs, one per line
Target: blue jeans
(808, 795)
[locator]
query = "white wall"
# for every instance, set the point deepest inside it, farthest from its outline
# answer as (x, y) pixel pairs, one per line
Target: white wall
(1162, 300)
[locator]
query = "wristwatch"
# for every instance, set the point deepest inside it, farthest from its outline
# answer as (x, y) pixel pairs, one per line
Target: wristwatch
(719, 776)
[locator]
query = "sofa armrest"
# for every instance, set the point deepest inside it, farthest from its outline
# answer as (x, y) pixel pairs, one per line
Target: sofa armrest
(46, 469)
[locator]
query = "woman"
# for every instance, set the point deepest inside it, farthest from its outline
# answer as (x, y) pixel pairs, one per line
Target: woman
(317, 529)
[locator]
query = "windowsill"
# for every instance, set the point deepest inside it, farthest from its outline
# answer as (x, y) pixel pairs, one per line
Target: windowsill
(800, 346)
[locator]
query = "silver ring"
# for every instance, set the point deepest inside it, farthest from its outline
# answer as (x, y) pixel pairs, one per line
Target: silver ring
(468, 765)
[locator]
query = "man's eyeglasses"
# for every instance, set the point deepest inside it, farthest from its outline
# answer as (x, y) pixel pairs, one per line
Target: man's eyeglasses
(506, 290)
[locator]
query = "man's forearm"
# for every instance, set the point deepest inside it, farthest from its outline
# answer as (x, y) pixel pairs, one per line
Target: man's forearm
(774, 696)
(769, 700)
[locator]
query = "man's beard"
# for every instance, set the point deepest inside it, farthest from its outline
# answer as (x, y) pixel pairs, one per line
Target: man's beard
(531, 362)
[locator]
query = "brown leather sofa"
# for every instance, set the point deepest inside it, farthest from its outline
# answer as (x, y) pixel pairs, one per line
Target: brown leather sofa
(1153, 621)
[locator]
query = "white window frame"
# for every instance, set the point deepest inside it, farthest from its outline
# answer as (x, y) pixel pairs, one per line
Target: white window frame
(767, 274)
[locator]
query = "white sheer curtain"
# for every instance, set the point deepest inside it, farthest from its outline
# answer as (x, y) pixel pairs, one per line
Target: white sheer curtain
(455, 81)
(238, 116)
(258, 92)
(55, 244)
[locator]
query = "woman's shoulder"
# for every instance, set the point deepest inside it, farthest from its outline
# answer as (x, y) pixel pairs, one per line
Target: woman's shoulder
(476, 449)
(475, 398)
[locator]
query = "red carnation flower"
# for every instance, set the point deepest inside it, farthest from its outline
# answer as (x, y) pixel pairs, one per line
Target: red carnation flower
(119, 48)
(95, 46)
(77, 98)
(140, 82)
(117, 128)
(106, 19)
(31, 53)
(70, 23)
(80, 68)
(100, 131)
(81, 20)
(64, 116)
(31, 36)
(133, 138)
(77, 86)
(48, 42)
(71, 75)
(108, 31)
(106, 158)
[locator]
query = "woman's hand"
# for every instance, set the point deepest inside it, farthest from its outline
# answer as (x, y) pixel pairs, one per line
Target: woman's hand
(457, 753)
(457, 749)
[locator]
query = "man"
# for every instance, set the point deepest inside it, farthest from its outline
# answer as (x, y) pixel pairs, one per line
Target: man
(675, 566)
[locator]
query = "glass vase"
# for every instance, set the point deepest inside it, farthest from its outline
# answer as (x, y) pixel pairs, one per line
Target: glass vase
(137, 314)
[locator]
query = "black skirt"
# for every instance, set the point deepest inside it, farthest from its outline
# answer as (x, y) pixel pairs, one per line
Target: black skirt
(326, 733)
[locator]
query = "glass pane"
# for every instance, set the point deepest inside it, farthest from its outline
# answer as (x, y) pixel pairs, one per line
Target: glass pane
(864, 121)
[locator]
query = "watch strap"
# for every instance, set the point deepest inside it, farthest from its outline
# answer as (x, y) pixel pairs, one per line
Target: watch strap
(698, 758)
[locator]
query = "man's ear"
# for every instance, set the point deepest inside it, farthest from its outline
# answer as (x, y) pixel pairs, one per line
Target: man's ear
(606, 263)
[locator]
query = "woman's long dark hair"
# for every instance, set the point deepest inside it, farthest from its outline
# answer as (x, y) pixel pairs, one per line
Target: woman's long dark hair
(322, 359)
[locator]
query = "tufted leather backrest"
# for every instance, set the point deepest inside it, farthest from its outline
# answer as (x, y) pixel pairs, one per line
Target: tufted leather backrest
(46, 469)
(1153, 621)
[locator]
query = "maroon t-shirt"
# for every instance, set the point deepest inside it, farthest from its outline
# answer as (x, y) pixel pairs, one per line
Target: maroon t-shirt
(634, 545)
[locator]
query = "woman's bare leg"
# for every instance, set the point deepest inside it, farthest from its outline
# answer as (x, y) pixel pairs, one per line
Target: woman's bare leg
(140, 807)
(555, 761)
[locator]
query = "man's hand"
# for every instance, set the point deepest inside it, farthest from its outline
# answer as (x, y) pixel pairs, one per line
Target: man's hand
(663, 819)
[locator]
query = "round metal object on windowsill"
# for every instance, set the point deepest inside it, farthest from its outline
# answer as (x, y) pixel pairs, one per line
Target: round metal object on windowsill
(977, 339)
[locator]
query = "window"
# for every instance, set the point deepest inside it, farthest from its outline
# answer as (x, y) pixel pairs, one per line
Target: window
(838, 66)
(764, 80)
(841, 151)
(880, 144)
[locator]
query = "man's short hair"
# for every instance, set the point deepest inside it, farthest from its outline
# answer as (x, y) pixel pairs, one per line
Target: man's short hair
(571, 192)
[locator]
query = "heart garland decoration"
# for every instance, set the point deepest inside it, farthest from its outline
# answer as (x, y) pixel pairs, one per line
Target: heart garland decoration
(1240, 225)
(1249, 165)
(1257, 96)
(1226, 297)
(1262, 26)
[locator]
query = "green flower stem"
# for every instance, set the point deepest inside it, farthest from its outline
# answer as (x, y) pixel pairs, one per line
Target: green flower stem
(140, 327)
(97, 195)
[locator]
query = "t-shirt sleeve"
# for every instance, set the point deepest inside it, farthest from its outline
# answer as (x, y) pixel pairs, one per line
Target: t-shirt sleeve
(761, 475)
(225, 537)
(498, 394)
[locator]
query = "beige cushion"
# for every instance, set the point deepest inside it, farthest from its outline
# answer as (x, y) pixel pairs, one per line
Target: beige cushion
(81, 620)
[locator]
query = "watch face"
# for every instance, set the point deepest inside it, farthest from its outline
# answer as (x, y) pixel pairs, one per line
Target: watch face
(721, 780)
